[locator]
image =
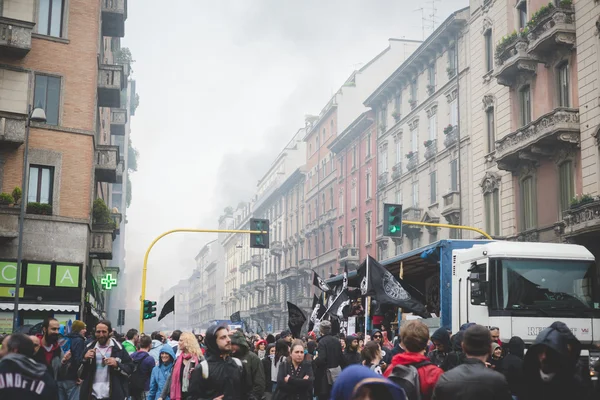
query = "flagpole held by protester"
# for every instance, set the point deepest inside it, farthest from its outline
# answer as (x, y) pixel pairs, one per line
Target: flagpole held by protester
(367, 299)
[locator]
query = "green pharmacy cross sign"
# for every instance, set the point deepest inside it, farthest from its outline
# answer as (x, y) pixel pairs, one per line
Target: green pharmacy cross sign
(108, 282)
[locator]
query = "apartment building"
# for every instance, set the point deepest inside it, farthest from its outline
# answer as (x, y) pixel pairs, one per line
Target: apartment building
(203, 285)
(53, 58)
(422, 149)
(181, 318)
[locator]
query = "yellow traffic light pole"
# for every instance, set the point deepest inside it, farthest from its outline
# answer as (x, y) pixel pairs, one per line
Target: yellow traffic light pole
(162, 235)
(467, 228)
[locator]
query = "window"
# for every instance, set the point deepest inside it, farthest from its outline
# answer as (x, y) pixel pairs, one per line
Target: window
(431, 75)
(331, 198)
(309, 213)
(452, 60)
(50, 17)
(354, 196)
(528, 204)
(522, 10)
(491, 203)
(491, 135)
(563, 85)
(454, 175)
(331, 127)
(341, 166)
(414, 141)
(432, 126)
(383, 167)
(368, 228)
(432, 188)
(415, 194)
(354, 157)
(368, 184)
(47, 96)
(383, 119)
(398, 102)
(40, 184)
(454, 113)
(368, 145)
(323, 203)
(398, 196)
(341, 203)
(413, 90)
(525, 105)
(398, 151)
(341, 237)
(567, 186)
(322, 241)
(489, 50)
(330, 237)
(353, 235)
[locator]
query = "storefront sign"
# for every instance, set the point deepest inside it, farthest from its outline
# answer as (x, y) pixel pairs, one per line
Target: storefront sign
(108, 282)
(67, 276)
(40, 274)
(8, 272)
(10, 292)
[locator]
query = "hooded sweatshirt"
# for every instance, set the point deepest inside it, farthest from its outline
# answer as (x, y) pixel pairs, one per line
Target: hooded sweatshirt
(146, 365)
(351, 380)
(255, 375)
(36, 382)
(428, 374)
(161, 373)
(512, 365)
(436, 356)
(386, 354)
(351, 356)
(155, 350)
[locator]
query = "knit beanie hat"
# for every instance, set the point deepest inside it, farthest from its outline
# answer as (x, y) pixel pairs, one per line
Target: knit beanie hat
(77, 326)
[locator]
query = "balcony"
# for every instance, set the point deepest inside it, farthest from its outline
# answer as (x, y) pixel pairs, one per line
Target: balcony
(396, 171)
(512, 60)
(288, 274)
(118, 120)
(245, 267)
(271, 279)
(304, 302)
(538, 139)
(114, 14)
(304, 266)
(12, 130)
(110, 83)
(554, 31)
(259, 285)
(276, 248)
(382, 181)
(412, 214)
(244, 288)
(237, 294)
(582, 218)
(413, 160)
(9, 223)
(430, 149)
(256, 260)
(107, 163)
(349, 256)
(101, 244)
(451, 210)
(451, 133)
(15, 37)
(312, 226)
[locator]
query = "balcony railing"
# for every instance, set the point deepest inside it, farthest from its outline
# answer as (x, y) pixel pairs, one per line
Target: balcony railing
(451, 210)
(382, 180)
(582, 218)
(271, 279)
(350, 256)
(513, 60)
(106, 163)
(288, 274)
(451, 137)
(552, 31)
(114, 14)
(110, 83)
(15, 37)
(12, 130)
(259, 285)
(397, 171)
(304, 265)
(539, 138)
(118, 120)
(256, 260)
(101, 244)
(430, 149)
(413, 161)
(276, 248)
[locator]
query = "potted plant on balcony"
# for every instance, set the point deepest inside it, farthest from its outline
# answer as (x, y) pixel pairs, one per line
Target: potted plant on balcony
(6, 199)
(396, 115)
(410, 154)
(448, 129)
(17, 194)
(39, 208)
(428, 143)
(580, 200)
(101, 215)
(413, 103)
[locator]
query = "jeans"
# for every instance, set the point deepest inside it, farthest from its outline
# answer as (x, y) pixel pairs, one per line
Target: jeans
(68, 390)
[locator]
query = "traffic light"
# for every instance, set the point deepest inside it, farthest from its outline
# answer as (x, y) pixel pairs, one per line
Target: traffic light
(392, 220)
(259, 240)
(149, 309)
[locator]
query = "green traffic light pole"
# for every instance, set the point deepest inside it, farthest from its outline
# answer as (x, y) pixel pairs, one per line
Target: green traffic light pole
(162, 235)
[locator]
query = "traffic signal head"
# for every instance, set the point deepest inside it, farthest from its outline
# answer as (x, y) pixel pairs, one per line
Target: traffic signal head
(259, 240)
(149, 309)
(392, 220)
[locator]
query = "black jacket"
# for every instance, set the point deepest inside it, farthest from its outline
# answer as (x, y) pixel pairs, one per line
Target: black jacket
(119, 377)
(329, 355)
(225, 377)
(254, 371)
(296, 388)
(472, 381)
(36, 382)
(512, 365)
(351, 357)
(566, 384)
(77, 353)
(267, 365)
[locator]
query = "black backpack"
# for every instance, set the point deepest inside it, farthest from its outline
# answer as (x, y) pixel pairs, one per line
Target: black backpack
(137, 379)
(407, 377)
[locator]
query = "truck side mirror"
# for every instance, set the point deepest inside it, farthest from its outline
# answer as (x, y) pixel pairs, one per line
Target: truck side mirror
(479, 292)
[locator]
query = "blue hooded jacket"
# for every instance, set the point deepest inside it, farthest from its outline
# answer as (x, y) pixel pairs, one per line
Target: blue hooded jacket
(355, 377)
(160, 374)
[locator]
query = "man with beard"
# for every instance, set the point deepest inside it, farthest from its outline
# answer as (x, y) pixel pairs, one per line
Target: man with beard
(351, 354)
(220, 375)
(50, 353)
(386, 355)
(33, 382)
(255, 375)
(106, 367)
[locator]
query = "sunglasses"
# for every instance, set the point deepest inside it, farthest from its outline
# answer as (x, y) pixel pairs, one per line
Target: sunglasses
(377, 337)
(494, 328)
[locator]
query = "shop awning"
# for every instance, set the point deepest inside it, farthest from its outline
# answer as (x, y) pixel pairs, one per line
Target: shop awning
(40, 307)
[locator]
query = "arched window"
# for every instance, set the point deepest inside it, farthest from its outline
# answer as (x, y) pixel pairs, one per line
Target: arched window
(525, 105)
(562, 85)
(489, 50)
(566, 185)
(528, 204)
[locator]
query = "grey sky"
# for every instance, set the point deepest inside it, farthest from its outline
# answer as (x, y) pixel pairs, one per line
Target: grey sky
(223, 86)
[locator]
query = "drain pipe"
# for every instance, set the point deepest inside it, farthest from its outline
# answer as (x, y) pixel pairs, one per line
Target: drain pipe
(459, 172)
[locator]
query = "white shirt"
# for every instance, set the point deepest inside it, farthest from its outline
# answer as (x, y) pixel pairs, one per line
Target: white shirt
(101, 385)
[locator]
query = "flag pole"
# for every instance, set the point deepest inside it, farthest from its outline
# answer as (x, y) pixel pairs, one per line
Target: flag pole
(367, 299)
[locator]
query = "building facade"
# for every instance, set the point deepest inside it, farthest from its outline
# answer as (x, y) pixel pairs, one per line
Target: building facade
(181, 318)
(203, 304)
(60, 62)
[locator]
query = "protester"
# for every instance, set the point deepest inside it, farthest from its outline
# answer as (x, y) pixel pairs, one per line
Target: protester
(28, 379)
(386, 354)
(178, 385)
(351, 353)
(106, 367)
(495, 332)
(174, 341)
(131, 343)
(68, 382)
(359, 383)
(255, 375)
(139, 381)
(295, 377)
(328, 361)
(371, 356)
(282, 351)
(261, 346)
(50, 353)
(495, 361)
(512, 365)
(473, 380)
(439, 356)
(311, 351)
(161, 372)
(267, 364)
(157, 344)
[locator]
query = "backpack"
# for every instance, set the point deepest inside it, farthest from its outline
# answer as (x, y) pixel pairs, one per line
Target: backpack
(407, 377)
(204, 367)
(136, 379)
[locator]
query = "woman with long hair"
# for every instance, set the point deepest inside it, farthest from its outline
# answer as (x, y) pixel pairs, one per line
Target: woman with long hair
(261, 346)
(295, 378)
(371, 356)
(282, 351)
(176, 387)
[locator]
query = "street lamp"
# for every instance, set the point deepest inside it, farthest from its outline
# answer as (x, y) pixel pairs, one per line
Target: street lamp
(37, 115)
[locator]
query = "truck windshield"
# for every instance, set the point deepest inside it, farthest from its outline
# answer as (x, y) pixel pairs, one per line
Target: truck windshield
(548, 284)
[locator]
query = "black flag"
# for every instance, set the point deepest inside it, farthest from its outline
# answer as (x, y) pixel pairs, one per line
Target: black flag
(296, 319)
(386, 289)
(345, 281)
(320, 283)
(317, 313)
(336, 308)
(168, 308)
(235, 317)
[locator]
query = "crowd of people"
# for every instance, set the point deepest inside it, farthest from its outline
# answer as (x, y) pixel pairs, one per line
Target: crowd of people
(229, 364)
